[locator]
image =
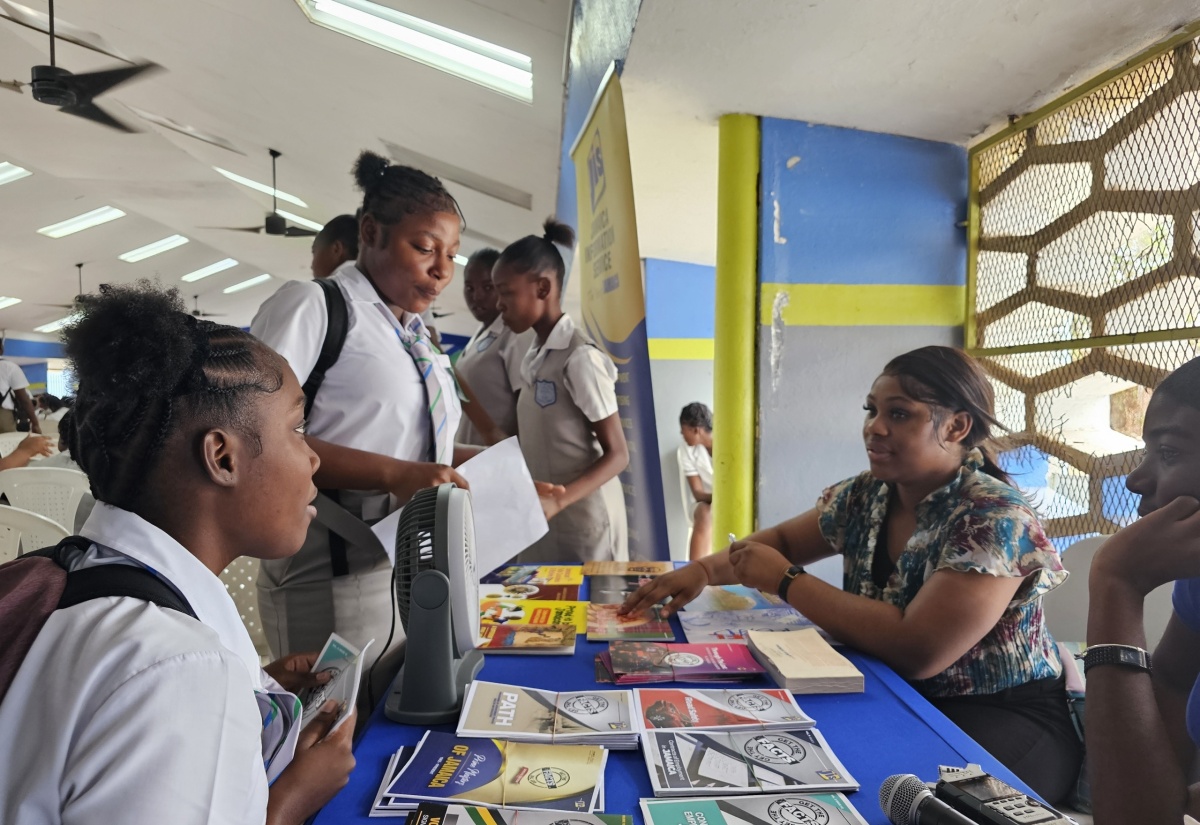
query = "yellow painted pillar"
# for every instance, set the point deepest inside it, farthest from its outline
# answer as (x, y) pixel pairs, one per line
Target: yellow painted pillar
(735, 397)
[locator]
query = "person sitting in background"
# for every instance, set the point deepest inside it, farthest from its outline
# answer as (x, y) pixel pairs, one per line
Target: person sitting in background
(695, 462)
(14, 394)
(945, 568)
(491, 361)
(567, 410)
(334, 245)
(1143, 723)
(126, 711)
(50, 410)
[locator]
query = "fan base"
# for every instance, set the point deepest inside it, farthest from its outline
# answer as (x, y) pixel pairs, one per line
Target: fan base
(464, 669)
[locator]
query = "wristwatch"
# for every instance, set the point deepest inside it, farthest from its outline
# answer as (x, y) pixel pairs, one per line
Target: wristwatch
(1123, 655)
(789, 576)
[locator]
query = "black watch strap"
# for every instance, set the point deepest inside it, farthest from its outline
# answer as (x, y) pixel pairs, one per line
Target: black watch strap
(789, 576)
(1123, 655)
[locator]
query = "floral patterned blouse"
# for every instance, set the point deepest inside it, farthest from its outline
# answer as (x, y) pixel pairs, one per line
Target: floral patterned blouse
(975, 523)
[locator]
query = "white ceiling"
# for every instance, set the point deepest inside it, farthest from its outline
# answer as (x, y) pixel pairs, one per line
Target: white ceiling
(259, 75)
(923, 68)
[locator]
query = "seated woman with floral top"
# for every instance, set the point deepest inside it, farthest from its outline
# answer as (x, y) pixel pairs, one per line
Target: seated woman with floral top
(945, 568)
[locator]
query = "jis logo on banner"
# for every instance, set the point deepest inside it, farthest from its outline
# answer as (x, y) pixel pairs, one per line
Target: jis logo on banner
(595, 162)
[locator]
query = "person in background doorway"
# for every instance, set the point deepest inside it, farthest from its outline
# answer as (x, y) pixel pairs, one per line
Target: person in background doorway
(334, 245)
(1143, 712)
(491, 361)
(945, 568)
(567, 418)
(695, 462)
(14, 390)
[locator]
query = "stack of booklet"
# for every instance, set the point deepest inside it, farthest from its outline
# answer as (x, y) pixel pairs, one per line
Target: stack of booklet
(782, 809)
(536, 639)
(699, 763)
(609, 584)
(679, 708)
(643, 662)
(429, 813)
(803, 662)
(522, 714)
(492, 772)
(733, 625)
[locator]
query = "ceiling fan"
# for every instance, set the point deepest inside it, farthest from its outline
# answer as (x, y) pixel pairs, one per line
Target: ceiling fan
(198, 314)
(78, 295)
(274, 224)
(75, 93)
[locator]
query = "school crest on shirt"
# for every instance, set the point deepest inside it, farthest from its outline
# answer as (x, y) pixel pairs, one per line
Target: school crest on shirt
(545, 393)
(488, 340)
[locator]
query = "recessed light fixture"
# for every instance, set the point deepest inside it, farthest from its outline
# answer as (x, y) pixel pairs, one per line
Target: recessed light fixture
(211, 269)
(81, 222)
(461, 260)
(10, 172)
(6, 302)
(55, 326)
(305, 222)
(494, 67)
(152, 249)
(255, 281)
(261, 187)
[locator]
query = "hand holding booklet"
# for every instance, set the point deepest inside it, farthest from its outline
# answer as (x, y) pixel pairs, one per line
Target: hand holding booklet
(343, 662)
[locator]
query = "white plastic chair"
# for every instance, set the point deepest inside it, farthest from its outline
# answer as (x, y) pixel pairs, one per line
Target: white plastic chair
(54, 492)
(239, 579)
(22, 531)
(1067, 606)
(9, 442)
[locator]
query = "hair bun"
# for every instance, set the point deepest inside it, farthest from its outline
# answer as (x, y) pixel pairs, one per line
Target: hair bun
(369, 170)
(558, 233)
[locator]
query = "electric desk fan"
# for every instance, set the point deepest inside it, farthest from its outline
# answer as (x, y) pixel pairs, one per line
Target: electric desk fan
(437, 594)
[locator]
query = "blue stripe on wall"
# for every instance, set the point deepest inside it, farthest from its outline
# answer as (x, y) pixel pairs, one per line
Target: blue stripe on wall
(841, 206)
(20, 348)
(680, 299)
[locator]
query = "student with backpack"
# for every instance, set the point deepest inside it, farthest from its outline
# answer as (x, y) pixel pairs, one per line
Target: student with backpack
(130, 690)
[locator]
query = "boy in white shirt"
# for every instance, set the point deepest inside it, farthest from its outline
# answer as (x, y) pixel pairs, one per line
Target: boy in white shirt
(695, 462)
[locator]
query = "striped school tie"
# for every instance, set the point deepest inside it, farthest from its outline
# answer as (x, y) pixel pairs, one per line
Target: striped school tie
(420, 348)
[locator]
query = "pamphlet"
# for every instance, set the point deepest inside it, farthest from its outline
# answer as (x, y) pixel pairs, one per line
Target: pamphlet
(777, 809)
(523, 612)
(535, 574)
(527, 775)
(533, 592)
(649, 569)
(430, 813)
(731, 625)
(604, 623)
(803, 662)
(731, 597)
(614, 589)
(522, 714)
(696, 763)
(699, 709)
(640, 662)
(533, 639)
(343, 662)
(385, 804)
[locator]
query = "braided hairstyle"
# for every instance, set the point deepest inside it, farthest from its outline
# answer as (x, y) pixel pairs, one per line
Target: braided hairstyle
(391, 192)
(536, 255)
(147, 369)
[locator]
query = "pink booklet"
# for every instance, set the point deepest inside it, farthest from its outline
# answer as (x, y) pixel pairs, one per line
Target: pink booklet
(643, 662)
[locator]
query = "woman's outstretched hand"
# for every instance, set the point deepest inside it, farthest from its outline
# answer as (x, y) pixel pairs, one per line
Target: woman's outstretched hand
(680, 586)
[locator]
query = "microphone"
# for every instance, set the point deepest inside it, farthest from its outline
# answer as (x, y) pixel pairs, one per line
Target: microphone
(906, 801)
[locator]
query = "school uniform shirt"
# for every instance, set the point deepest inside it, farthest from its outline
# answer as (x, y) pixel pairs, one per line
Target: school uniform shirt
(487, 364)
(1186, 600)
(696, 462)
(124, 711)
(568, 384)
(12, 378)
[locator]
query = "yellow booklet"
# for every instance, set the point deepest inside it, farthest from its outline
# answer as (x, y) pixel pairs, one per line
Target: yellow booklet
(528, 611)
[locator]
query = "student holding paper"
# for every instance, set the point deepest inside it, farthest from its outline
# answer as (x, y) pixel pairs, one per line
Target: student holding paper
(1143, 711)
(192, 437)
(945, 567)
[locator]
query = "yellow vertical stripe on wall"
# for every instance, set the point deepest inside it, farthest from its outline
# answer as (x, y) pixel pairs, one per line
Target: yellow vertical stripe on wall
(681, 349)
(884, 305)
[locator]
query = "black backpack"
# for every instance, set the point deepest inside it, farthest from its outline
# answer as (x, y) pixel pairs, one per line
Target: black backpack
(335, 339)
(36, 584)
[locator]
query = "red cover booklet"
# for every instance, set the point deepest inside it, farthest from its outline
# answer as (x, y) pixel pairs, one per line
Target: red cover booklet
(643, 662)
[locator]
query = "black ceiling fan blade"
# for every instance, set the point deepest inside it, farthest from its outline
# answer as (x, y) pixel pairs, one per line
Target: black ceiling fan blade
(90, 111)
(257, 230)
(91, 85)
(13, 86)
(299, 232)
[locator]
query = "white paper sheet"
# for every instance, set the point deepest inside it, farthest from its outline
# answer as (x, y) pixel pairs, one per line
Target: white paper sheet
(504, 502)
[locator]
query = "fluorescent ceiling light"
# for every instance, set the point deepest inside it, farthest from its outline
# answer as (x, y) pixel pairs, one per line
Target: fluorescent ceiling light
(10, 172)
(261, 187)
(152, 249)
(255, 281)
(55, 326)
(81, 222)
(5, 302)
(211, 269)
(460, 260)
(499, 69)
(305, 222)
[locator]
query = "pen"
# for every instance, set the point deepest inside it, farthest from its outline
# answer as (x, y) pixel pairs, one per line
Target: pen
(732, 538)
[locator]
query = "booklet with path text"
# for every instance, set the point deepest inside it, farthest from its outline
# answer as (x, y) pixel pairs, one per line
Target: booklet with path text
(596, 717)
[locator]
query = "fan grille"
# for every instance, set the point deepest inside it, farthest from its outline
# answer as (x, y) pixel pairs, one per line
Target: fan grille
(414, 546)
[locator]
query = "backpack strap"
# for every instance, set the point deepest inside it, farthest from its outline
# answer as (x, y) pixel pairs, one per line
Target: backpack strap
(335, 339)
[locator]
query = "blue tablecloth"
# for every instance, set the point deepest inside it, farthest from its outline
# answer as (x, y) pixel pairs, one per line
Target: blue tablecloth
(887, 729)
